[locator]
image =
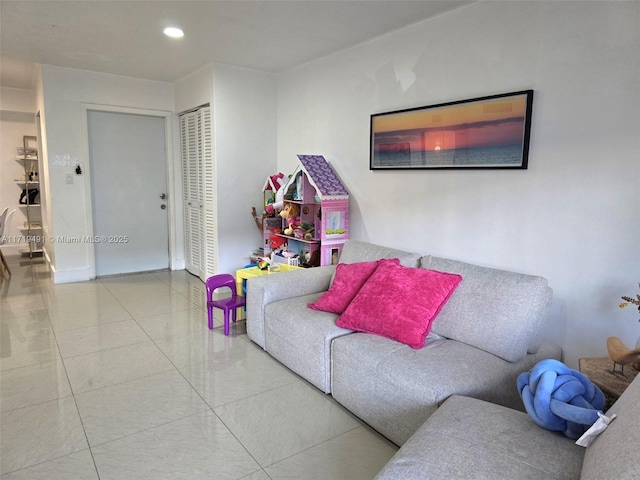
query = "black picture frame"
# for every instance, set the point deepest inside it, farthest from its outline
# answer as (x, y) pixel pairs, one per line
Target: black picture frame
(490, 132)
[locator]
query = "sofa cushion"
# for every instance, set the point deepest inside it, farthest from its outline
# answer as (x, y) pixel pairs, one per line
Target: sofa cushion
(395, 388)
(469, 438)
(498, 311)
(357, 251)
(399, 302)
(615, 453)
(348, 280)
(301, 338)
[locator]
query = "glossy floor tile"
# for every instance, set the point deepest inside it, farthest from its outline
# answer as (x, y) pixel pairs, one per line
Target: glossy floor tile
(20, 350)
(119, 410)
(284, 421)
(141, 306)
(33, 384)
(119, 378)
(358, 454)
(20, 305)
(182, 324)
(31, 435)
(34, 322)
(68, 312)
(228, 377)
(196, 447)
(115, 365)
(100, 337)
(76, 466)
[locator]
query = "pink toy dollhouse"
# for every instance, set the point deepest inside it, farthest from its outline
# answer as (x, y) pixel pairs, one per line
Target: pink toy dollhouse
(323, 203)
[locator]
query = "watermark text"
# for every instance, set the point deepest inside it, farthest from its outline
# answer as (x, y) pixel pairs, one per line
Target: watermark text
(82, 239)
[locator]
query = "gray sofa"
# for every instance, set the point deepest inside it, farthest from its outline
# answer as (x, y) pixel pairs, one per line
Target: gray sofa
(472, 439)
(484, 337)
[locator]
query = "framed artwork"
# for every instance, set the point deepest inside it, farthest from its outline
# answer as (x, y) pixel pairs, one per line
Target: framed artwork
(487, 132)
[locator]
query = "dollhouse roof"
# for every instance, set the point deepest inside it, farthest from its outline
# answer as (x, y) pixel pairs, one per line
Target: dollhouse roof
(322, 176)
(269, 185)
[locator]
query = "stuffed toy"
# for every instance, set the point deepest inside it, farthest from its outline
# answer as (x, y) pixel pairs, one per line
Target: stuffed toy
(277, 244)
(311, 259)
(291, 214)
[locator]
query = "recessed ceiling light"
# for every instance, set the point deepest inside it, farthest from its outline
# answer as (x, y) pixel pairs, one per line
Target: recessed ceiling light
(173, 32)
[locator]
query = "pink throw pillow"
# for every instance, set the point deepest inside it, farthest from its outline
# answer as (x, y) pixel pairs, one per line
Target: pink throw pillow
(349, 278)
(399, 303)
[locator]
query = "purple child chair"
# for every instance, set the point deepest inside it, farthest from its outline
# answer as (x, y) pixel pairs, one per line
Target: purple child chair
(231, 303)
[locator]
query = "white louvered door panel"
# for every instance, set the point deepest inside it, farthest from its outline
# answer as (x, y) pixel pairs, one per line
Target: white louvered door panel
(209, 263)
(191, 190)
(184, 154)
(199, 193)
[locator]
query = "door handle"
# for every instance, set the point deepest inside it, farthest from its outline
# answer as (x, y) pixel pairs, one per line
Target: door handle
(163, 196)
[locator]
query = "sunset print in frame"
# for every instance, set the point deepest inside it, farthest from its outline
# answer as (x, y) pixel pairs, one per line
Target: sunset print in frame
(487, 132)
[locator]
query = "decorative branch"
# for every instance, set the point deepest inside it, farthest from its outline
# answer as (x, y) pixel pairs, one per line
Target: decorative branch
(631, 301)
(256, 218)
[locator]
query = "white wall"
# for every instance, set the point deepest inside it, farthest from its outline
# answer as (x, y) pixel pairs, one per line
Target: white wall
(571, 217)
(244, 113)
(194, 90)
(64, 91)
(17, 118)
(45, 194)
(243, 103)
(17, 100)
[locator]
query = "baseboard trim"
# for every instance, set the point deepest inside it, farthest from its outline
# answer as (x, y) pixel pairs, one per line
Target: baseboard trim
(71, 276)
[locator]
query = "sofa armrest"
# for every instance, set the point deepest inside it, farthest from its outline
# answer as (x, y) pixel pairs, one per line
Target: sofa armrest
(267, 289)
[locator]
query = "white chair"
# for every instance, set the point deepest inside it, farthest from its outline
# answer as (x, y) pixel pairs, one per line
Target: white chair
(5, 220)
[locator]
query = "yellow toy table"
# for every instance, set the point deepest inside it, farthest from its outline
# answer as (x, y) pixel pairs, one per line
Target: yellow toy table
(247, 273)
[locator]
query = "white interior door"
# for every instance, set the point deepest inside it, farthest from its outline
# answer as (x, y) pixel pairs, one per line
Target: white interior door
(129, 180)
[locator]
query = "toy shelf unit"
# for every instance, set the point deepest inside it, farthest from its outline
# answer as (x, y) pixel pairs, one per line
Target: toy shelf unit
(270, 221)
(29, 200)
(322, 227)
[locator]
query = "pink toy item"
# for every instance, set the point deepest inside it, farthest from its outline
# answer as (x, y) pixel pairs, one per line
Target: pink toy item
(279, 181)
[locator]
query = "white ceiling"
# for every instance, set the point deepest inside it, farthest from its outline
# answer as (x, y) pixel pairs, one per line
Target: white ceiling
(125, 37)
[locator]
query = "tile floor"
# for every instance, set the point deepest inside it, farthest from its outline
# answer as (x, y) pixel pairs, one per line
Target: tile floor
(120, 378)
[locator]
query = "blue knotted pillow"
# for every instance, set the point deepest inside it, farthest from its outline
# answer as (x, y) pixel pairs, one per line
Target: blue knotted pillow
(560, 399)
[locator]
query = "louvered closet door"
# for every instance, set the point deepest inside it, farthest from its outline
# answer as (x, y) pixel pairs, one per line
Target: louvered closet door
(208, 189)
(191, 190)
(199, 193)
